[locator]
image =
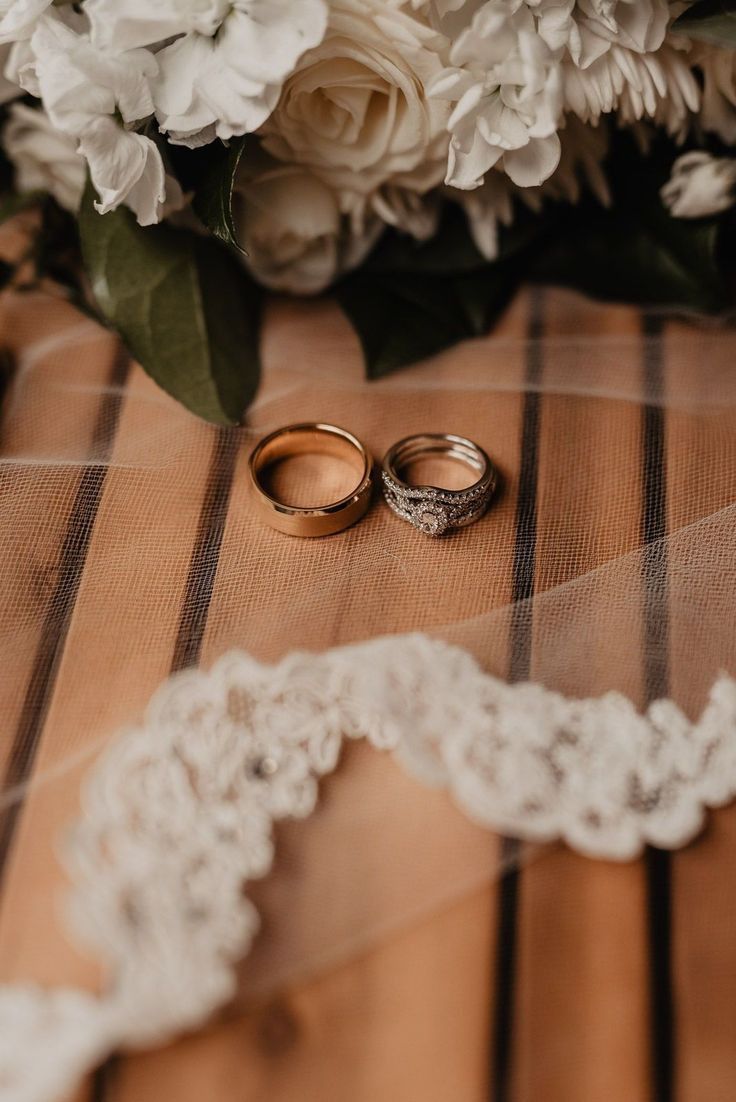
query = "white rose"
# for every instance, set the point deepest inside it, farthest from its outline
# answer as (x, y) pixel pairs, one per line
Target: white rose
(356, 111)
(290, 224)
(44, 158)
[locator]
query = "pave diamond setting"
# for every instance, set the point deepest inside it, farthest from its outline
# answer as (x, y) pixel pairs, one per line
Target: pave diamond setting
(435, 511)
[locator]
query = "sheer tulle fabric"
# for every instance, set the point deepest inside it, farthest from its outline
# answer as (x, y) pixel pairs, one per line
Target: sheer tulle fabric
(130, 550)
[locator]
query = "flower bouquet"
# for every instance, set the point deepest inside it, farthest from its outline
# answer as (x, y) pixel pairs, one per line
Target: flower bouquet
(418, 157)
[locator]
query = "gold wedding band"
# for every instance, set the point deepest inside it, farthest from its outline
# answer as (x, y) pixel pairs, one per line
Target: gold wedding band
(312, 439)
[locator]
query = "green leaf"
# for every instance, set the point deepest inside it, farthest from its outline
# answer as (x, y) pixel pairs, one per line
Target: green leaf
(636, 251)
(404, 317)
(709, 21)
(485, 294)
(213, 200)
(400, 319)
(412, 299)
(451, 249)
(184, 306)
(660, 261)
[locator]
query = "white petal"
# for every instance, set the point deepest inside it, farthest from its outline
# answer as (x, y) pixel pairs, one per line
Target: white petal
(264, 39)
(20, 18)
(700, 185)
(534, 163)
(228, 85)
(78, 82)
(126, 24)
(449, 84)
(467, 170)
(124, 168)
(501, 126)
(196, 94)
(466, 105)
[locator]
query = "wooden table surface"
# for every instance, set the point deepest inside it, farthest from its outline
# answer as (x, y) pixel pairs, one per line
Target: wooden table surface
(566, 980)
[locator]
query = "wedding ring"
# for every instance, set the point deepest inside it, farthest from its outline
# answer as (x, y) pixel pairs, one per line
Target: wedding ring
(434, 509)
(312, 439)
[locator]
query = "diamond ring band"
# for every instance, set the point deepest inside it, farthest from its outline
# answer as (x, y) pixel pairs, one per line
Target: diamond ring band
(434, 509)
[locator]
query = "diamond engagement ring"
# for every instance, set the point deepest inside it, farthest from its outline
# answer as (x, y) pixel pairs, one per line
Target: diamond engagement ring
(432, 509)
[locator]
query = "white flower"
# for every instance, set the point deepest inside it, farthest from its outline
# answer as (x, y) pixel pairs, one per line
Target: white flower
(18, 18)
(79, 82)
(506, 84)
(589, 28)
(128, 24)
(519, 65)
(718, 113)
(616, 58)
(492, 205)
(677, 93)
(356, 111)
(85, 92)
(632, 24)
(290, 223)
(700, 185)
(124, 167)
(226, 84)
(17, 59)
(44, 158)
(658, 86)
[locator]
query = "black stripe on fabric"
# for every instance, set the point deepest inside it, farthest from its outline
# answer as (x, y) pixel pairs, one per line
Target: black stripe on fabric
(656, 678)
(206, 552)
(508, 907)
(526, 505)
(63, 599)
(192, 620)
(524, 565)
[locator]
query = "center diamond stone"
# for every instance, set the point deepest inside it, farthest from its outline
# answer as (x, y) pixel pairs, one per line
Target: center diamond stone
(431, 519)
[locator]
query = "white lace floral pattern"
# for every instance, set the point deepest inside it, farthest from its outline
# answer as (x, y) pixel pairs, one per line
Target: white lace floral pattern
(179, 813)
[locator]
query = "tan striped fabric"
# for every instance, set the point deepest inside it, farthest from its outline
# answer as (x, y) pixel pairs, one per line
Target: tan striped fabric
(565, 980)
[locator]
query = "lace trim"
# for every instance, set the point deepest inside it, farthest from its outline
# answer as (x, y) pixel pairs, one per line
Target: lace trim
(179, 813)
